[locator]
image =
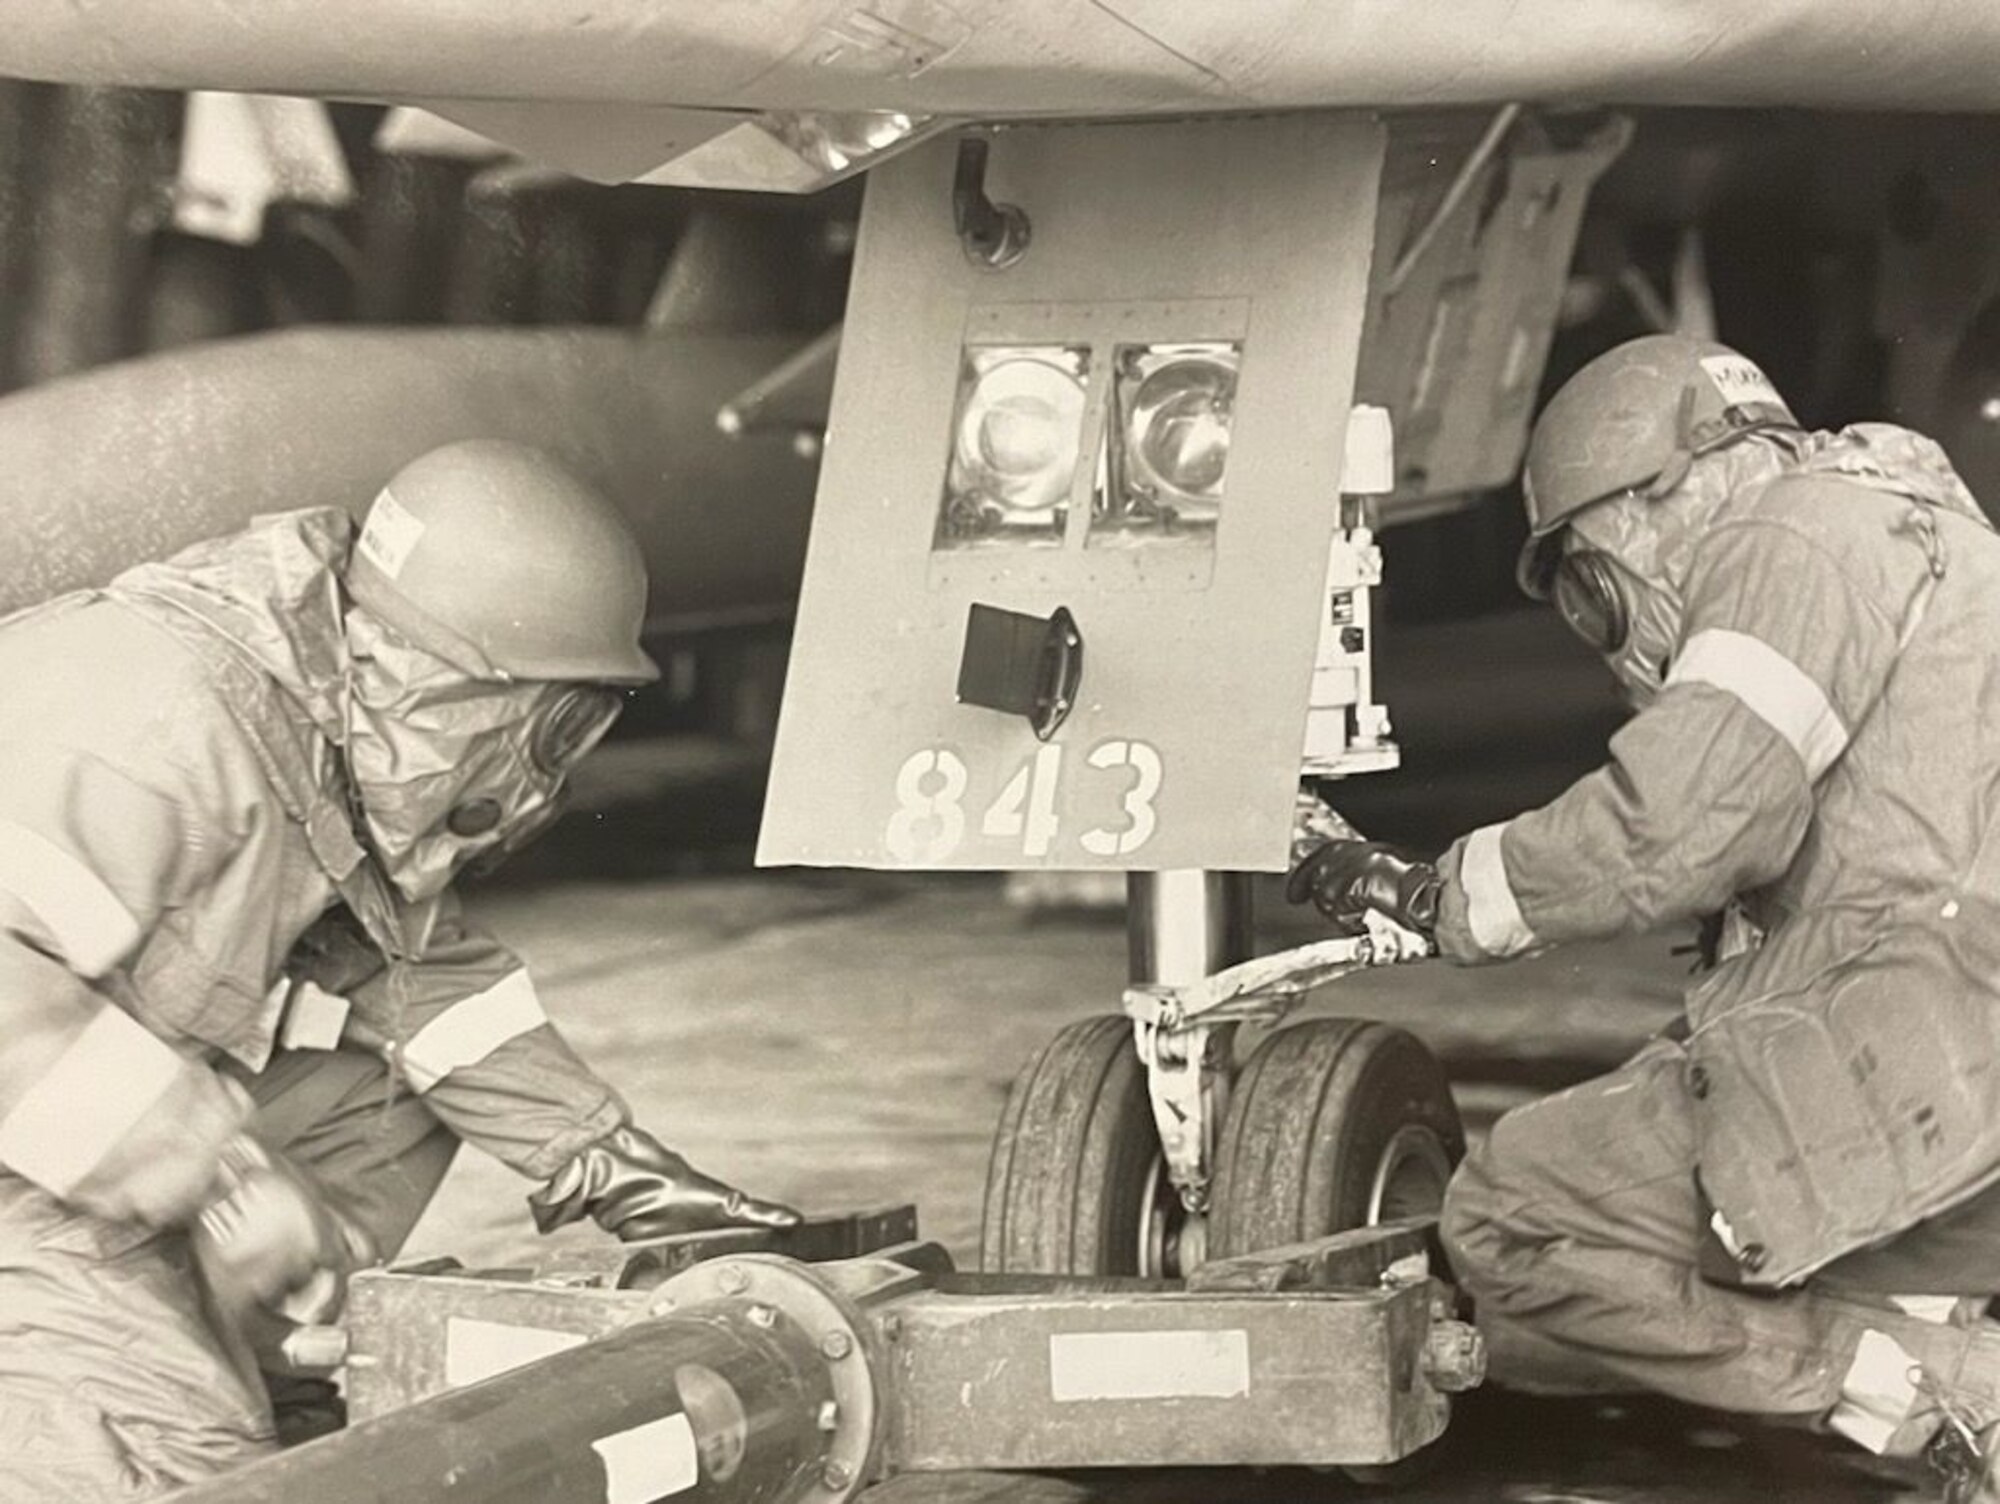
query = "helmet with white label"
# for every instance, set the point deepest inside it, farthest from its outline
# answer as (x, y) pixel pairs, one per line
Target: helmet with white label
(496, 558)
(1631, 422)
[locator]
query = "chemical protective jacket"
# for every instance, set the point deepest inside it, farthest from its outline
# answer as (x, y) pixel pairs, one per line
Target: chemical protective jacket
(1826, 749)
(177, 856)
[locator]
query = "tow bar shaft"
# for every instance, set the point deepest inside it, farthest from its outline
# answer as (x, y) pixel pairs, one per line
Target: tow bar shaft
(758, 1379)
(718, 1402)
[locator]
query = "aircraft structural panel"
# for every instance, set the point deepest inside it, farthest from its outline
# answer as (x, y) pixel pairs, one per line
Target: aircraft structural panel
(1140, 422)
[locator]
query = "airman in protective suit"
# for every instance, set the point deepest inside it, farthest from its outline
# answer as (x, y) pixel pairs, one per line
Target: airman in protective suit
(243, 1024)
(1788, 1204)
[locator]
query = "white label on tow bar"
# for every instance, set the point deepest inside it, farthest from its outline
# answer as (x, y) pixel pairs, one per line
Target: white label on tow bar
(475, 1350)
(649, 1462)
(1148, 1365)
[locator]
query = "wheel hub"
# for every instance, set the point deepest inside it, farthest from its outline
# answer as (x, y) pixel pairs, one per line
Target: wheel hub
(1173, 1241)
(1410, 1177)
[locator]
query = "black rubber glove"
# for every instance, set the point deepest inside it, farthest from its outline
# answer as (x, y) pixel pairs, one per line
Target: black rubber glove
(1345, 879)
(635, 1187)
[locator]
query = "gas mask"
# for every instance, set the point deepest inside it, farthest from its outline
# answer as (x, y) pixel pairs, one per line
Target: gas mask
(1633, 623)
(1624, 561)
(452, 772)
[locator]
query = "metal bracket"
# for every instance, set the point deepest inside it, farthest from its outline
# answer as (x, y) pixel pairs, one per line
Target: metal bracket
(642, 1265)
(1188, 1088)
(995, 236)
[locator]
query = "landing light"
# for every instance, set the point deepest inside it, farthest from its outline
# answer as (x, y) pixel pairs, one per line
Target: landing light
(1175, 404)
(1017, 436)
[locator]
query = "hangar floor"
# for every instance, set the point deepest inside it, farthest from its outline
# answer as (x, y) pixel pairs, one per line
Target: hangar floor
(845, 1039)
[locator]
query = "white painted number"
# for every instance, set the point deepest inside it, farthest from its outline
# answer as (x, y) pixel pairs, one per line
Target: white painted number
(1144, 762)
(929, 822)
(1033, 785)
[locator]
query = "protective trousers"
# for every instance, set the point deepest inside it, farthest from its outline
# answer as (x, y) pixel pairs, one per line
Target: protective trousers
(1577, 1229)
(112, 1383)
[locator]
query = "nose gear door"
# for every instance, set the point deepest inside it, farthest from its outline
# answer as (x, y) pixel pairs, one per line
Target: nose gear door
(1133, 422)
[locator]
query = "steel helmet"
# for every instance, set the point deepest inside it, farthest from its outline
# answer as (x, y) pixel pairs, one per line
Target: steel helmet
(1633, 420)
(499, 560)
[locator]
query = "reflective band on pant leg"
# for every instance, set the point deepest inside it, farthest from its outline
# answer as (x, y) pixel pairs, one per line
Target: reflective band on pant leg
(88, 922)
(1490, 910)
(1774, 689)
(471, 1029)
(111, 1075)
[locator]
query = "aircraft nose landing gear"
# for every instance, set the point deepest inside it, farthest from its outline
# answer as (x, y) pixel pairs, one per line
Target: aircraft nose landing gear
(1115, 1160)
(1336, 1139)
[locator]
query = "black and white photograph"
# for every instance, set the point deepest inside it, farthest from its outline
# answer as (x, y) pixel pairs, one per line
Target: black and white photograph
(1000, 752)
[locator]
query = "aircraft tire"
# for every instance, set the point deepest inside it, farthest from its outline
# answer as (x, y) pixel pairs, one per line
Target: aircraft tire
(1073, 1158)
(1333, 1124)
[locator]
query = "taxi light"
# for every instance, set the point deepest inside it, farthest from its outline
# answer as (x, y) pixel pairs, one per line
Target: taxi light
(796, 151)
(1181, 418)
(1017, 436)
(1175, 405)
(833, 141)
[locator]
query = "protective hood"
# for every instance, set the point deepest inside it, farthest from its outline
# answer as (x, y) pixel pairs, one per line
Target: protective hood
(1653, 542)
(273, 591)
(440, 766)
(1893, 459)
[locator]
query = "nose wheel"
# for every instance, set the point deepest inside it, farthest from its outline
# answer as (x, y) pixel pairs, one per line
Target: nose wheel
(1076, 1183)
(1331, 1124)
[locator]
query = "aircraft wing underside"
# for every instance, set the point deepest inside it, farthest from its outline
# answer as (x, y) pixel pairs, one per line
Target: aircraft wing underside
(1065, 58)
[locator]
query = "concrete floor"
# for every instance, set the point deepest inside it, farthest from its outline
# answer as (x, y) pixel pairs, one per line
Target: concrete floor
(845, 1040)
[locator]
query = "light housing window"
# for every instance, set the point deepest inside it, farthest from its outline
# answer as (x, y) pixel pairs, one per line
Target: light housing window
(795, 151)
(1167, 450)
(1017, 438)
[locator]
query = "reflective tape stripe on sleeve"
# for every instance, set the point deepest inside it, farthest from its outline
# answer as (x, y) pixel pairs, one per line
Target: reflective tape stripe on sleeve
(112, 1074)
(471, 1029)
(1490, 910)
(1775, 689)
(88, 922)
